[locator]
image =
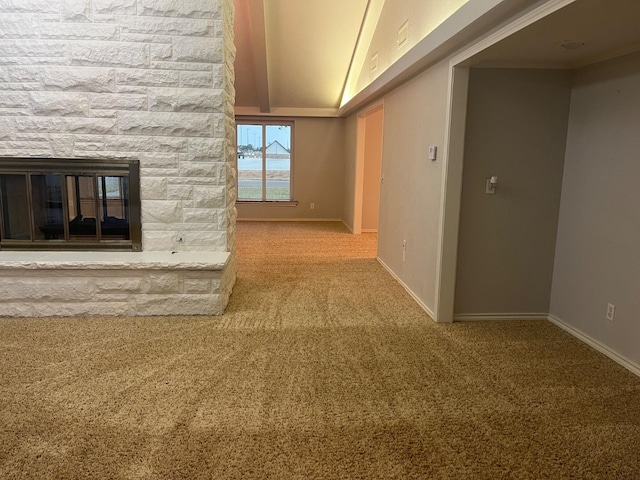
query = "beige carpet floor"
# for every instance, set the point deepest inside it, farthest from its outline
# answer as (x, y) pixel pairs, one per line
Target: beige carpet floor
(322, 368)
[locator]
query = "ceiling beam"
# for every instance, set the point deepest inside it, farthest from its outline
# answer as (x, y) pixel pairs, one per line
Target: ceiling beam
(259, 44)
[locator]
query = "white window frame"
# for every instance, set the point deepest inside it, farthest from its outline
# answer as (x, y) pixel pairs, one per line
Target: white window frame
(264, 124)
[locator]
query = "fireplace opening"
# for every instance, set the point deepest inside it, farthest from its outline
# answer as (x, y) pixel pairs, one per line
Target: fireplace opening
(69, 204)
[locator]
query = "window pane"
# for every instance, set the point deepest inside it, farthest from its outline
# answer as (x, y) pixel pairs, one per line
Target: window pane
(114, 218)
(15, 207)
(278, 158)
(82, 208)
(48, 218)
(249, 162)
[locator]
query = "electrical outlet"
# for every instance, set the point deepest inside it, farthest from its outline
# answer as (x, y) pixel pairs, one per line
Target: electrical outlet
(404, 250)
(312, 206)
(611, 311)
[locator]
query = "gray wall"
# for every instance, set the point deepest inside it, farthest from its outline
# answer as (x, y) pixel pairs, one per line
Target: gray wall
(318, 173)
(597, 257)
(516, 129)
(351, 137)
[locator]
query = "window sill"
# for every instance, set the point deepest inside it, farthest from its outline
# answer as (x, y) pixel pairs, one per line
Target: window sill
(268, 203)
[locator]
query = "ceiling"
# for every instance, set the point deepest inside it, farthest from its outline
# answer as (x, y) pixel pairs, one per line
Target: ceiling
(606, 28)
(292, 54)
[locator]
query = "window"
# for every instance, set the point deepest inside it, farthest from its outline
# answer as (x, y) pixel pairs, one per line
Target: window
(264, 161)
(69, 204)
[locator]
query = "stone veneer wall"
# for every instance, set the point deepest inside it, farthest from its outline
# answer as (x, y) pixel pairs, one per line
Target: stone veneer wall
(144, 79)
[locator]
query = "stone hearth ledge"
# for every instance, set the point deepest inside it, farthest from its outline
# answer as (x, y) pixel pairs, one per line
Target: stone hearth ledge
(199, 260)
(46, 284)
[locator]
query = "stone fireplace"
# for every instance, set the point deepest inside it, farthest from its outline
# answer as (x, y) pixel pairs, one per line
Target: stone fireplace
(144, 82)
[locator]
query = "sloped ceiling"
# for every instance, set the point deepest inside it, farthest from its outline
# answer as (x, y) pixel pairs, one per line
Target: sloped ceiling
(293, 56)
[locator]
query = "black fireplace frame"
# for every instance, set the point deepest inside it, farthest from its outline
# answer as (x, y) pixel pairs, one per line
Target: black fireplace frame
(57, 237)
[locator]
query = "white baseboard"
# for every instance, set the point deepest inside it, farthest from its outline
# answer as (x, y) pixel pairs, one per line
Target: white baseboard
(369, 230)
(481, 317)
(616, 357)
(289, 220)
(348, 226)
(413, 295)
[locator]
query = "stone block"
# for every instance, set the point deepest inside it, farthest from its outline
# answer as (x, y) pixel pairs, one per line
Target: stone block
(153, 188)
(159, 164)
(204, 239)
(209, 196)
(185, 100)
(129, 144)
(95, 126)
(6, 129)
(161, 211)
(170, 144)
(80, 31)
(171, 124)
(72, 309)
(179, 192)
(202, 50)
(150, 78)
(119, 285)
(43, 289)
(175, 27)
(61, 145)
(109, 54)
(158, 241)
(16, 309)
(14, 99)
(191, 304)
(199, 215)
(114, 101)
(160, 52)
(179, 8)
(30, 6)
(196, 79)
(197, 285)
(16, 26)
(84, 79)
(163, 283)
(182, 66)
(76, 10)
(19, 74)
(206, 150)
(60, 104)
(29, 50)
(114, 7)
(193, 169)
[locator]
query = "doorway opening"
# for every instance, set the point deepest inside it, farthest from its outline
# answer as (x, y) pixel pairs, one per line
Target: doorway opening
(368, 169)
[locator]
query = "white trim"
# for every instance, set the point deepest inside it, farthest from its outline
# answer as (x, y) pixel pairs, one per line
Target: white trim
(482, 317)
(348, 226)
(369, 230)
(409, 291)
(290, 220)
(616, 357)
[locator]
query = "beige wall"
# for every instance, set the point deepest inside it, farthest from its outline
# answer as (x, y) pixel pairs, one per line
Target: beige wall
(597, 260)
(318, 173)
(516, 130)
(372, 166)
(414, 118)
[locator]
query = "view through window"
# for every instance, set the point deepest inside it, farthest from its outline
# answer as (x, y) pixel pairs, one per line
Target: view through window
(264, 161)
